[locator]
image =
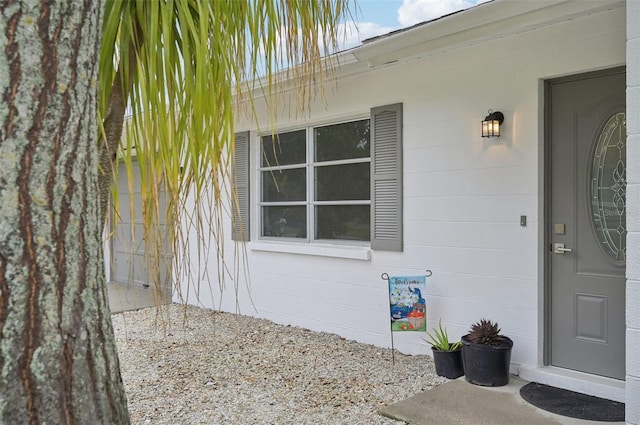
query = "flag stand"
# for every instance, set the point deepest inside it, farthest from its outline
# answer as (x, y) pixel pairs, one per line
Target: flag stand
(385, 276)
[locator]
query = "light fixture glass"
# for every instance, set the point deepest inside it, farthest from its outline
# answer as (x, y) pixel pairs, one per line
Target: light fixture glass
(491, 124)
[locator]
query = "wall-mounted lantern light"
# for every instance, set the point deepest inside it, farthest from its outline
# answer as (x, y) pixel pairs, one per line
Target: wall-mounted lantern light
(491, 124)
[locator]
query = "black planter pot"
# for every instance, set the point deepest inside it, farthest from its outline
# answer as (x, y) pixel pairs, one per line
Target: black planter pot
(486, 365)
(448, 363)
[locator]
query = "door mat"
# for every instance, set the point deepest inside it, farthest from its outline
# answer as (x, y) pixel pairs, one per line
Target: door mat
(572, 404)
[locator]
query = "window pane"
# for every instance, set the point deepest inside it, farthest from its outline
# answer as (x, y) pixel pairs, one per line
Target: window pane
(342, 141)
(343, 182)
(346, 222)
(284, 149)
(284, 185)
(290, 221)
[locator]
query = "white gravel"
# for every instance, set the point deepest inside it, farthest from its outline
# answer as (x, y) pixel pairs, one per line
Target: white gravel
(195, 366)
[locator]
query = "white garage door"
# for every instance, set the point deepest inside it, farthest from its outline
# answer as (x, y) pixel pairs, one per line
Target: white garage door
(128, 262)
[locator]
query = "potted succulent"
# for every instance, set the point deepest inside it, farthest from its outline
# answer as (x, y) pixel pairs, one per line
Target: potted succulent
(447, 356)
(486, 354)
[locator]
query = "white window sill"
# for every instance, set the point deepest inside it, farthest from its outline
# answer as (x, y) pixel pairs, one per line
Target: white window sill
(322, 250)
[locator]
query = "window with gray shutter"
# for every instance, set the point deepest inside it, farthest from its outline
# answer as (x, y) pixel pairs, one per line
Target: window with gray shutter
(386, 178)
(240, 205)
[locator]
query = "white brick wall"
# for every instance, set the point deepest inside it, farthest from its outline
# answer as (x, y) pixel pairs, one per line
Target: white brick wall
(633, 213)
(463, 195)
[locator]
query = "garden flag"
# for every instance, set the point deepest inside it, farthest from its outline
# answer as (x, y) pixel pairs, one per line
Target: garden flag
(408, 307)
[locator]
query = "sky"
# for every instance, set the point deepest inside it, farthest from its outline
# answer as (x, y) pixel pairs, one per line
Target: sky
(376, 17)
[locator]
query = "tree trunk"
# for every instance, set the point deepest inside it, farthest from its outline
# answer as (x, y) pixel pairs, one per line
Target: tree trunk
(58, 360)
(114, 121)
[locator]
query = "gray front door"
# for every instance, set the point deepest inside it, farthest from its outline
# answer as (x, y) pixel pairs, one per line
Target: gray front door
(586, 225)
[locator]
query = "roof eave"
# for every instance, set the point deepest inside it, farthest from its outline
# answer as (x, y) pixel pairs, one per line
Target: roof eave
(486, 21)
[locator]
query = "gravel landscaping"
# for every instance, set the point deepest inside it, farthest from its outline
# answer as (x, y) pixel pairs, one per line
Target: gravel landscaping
(195, 366)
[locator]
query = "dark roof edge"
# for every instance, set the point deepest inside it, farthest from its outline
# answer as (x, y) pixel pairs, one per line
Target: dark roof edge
(420, 24)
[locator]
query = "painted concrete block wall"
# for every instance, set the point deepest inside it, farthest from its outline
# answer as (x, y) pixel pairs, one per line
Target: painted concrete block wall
(633, 213)
(463, 195)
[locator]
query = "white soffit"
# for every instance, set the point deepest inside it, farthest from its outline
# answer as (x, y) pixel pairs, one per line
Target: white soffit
(485, 22)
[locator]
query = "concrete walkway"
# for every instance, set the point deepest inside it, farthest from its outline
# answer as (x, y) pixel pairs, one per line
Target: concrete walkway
(460, 403)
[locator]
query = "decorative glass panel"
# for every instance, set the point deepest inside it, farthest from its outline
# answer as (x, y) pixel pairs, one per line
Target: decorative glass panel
(346, 222)
(288, 222)
(608, 188)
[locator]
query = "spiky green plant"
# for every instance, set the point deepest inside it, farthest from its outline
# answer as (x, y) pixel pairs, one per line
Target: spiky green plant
(440, 340)
(485, 332)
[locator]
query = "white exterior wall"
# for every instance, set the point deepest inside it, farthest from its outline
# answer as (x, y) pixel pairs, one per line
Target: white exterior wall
(633, 213)
(463, 195)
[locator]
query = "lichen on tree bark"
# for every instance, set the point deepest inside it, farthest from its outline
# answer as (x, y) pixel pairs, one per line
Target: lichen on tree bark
(58, 360)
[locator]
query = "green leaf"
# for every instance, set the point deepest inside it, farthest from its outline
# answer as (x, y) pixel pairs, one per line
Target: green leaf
(440, 340)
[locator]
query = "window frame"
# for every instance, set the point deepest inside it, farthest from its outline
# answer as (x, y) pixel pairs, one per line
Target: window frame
(386, 137)
(310, 166)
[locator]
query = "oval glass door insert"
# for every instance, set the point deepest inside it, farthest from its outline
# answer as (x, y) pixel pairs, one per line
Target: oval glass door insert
(609, 186)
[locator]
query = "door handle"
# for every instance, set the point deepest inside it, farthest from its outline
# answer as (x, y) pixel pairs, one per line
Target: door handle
(558, 248)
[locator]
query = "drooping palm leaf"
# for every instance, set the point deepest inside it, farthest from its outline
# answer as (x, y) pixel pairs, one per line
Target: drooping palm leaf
(180, 68)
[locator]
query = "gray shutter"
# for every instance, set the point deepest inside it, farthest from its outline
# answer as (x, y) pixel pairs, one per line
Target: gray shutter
(386, 178)
(240, 206)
